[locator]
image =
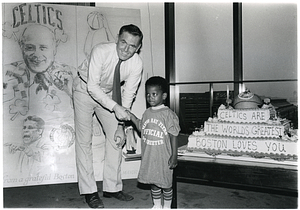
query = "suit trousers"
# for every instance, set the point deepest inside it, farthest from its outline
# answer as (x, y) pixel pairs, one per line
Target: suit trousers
(85, 106)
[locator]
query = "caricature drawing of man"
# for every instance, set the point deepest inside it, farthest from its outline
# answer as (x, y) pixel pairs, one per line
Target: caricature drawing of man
(32, 149)
(38, 81)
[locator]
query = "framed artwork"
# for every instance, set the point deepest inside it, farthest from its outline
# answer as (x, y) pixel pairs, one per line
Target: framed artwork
(43, 46)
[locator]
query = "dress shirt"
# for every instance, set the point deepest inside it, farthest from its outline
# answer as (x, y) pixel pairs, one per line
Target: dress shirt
(103, 61)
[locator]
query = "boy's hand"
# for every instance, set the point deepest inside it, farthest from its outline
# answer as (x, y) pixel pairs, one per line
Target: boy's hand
(172, 162)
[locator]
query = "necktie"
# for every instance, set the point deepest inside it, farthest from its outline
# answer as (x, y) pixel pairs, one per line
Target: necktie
(116, 95)
(42, 81)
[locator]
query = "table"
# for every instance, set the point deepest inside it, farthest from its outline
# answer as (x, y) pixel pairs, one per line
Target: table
(246, 175)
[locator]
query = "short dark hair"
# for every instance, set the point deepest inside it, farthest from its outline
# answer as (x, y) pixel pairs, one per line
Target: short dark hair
(40, 122)
(158, 81)
(132, 29)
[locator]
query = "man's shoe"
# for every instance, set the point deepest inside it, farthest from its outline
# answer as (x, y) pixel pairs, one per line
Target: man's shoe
(94, 201)
(118, 195)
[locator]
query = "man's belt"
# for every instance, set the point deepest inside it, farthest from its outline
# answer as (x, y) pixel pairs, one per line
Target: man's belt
(81, 77)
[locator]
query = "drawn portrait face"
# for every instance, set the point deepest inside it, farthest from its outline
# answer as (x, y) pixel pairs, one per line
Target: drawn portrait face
(32, 131)
(127, 45)
(38, 48)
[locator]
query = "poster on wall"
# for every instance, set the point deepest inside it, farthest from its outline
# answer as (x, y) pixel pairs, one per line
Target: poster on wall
(43, 47)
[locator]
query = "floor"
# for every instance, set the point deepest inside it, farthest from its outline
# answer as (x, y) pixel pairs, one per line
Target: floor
(189, 196)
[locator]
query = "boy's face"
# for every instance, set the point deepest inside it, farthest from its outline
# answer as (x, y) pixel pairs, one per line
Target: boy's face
(155, 96)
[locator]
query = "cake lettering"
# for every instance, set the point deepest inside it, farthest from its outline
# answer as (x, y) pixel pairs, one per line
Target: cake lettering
(244, 130)
(266, 131)
(211, 143)
(241, 130)
(245, 116)
(244, 145)
(258, 116)
(255, 145)
(275, 147)
(212, 127)
(224, 114)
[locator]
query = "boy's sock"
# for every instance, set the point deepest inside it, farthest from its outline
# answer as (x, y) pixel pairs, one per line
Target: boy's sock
(168, 198)
(156, 197)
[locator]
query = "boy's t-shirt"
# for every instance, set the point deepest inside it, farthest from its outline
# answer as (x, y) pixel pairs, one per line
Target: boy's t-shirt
(156, 125)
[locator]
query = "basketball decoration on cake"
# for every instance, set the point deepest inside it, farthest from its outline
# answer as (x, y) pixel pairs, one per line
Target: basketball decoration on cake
(247, 100)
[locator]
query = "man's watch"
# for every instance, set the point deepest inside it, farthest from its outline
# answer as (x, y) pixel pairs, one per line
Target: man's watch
(121, 123)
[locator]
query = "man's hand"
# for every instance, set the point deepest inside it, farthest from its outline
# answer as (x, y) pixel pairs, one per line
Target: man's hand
(121, 113)
(119, 136)
(131, 115)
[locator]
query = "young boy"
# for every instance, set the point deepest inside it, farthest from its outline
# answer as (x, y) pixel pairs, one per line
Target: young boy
(159, 129)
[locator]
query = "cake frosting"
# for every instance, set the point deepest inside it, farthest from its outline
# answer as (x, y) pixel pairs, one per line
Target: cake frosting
(253, 131)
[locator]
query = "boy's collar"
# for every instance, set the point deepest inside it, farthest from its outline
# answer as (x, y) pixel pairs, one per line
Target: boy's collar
(158, 107)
